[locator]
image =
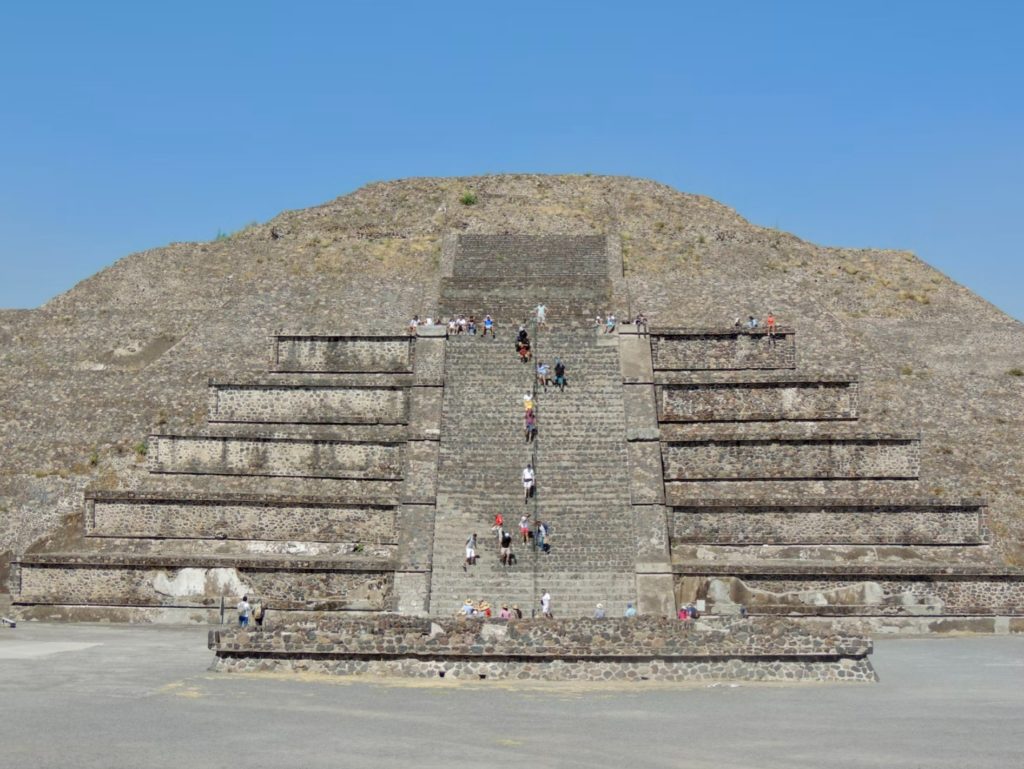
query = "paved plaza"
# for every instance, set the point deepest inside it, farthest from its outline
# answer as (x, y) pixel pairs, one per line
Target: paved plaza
(115, 696)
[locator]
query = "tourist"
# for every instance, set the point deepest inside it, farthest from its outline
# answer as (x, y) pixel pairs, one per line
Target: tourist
(559, 374)
(504, 613)
(524, 527)
(506, 549)
(599, 611)
(609, 323)
(531, 426)
(541, 537)
(498, 527)
(752, 322)
(683, 614)
(259, 613)
(543, 375)
(467, 609)
(483, 609)
(517, 613)
(525, 353)
(413, 324)
(641, 323)
(630, 610)
(529, 483)
(598, 321)
(471, 325)
(770, 326)
(463, 324)
(453, 327)
(541, 311)
(488, 326)
(545, 605)
(244, 609)
(470, 552)
(527, 402)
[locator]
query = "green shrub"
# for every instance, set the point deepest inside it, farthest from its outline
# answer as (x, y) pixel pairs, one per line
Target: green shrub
(1016, 372)
(468, 199)
(141, 449)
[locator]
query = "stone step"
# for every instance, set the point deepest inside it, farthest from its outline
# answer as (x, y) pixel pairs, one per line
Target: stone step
(757, 401)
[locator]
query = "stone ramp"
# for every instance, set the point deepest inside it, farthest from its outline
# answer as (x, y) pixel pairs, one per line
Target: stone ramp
(554, 650)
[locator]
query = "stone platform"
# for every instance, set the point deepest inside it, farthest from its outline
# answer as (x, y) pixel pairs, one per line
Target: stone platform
(642, 648)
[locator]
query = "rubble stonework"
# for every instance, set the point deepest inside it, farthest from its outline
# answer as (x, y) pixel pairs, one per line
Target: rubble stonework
(596, 650)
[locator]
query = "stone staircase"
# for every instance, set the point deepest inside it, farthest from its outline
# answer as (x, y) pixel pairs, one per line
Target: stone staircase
(482, 454)
(583, 479)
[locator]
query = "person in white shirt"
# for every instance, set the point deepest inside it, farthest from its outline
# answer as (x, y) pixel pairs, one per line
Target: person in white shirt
(545, 605)
(529, 483)
(244, 610)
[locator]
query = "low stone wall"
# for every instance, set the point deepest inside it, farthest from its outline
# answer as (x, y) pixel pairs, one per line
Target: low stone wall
(757, 401)
(709, 350)
(252, 519)
(343, 354)
(167, 582)
(859, 594)
(885, 457)
(274, 456)
(580, 649)
(307, 404)
(839, 523)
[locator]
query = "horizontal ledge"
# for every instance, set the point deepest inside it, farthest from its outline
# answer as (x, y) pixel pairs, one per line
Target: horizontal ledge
(867, 573)
(760, 479)
(258, 563)
(832, 502)
(163, 497)
(274, 439)
(315, 336)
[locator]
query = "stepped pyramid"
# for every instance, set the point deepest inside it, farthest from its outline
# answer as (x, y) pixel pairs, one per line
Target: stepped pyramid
(335, 467)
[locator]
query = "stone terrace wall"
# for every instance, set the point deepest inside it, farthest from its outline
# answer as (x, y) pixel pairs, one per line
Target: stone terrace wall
(828, 523)
(308, 404)
(757, 401)
(890, 457)
(371, 354)
(863, 594)
(274, 456)
(697, 350)
(181, 582)
(563, 649)
(255, 518)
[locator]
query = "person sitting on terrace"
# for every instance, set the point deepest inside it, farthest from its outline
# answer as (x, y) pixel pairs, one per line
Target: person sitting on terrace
(488, 326)
(413, 324)
(467, 609)
(471, 325)
(543, 375)
(609, 323)
(630, 610)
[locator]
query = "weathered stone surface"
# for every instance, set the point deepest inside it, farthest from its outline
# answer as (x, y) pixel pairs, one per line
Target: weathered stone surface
(307, 404)
(646, 486)
(663, 649)
(310, 353)
(641, 414)
(757, 401)
(127, 515)
(870, 457)
(694, 350)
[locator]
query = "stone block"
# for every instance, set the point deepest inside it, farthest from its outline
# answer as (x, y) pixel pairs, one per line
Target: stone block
(429, 369)
(341, 354)
(635, 359)
(652, 543)
(641, 414)
(420, 472)
(415, 537)
(655, 595)
(425, 407)
(646, 486)
(412, 592)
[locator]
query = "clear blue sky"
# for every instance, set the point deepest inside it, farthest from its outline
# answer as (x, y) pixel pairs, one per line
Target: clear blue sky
(127, 125)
